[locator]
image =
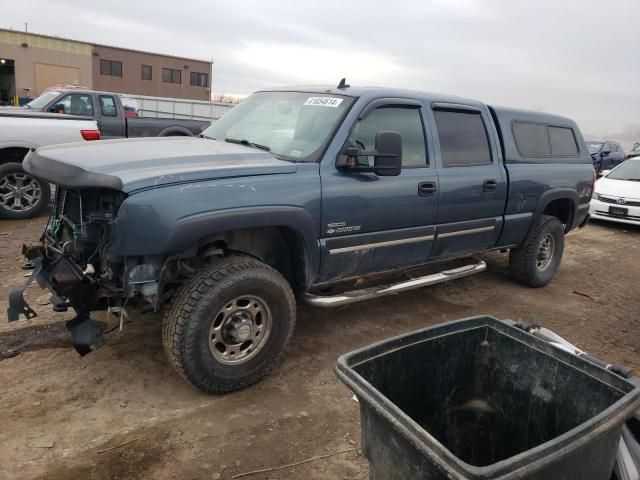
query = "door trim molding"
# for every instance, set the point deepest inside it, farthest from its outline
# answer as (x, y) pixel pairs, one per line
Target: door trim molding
(389, 243)
(469, 231)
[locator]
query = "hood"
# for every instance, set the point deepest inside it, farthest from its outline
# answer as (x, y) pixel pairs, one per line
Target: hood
(133, 164)
(618, 188)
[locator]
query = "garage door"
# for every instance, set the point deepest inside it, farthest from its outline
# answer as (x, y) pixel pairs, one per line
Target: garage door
(51, 75)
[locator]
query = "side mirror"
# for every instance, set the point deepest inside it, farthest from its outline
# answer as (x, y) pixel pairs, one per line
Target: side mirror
(387, 156)
(604, 173)
(387, 162)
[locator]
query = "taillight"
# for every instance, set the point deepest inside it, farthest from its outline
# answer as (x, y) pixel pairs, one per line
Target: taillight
(90, 134)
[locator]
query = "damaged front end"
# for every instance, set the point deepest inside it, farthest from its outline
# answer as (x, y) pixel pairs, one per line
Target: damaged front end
(74, 261)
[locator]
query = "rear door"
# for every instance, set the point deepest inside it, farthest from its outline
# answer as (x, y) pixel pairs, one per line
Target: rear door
(110, 121)
(372, 223)
(473, 184)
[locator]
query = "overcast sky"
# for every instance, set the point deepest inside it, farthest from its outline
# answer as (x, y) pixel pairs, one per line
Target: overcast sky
(577, 58)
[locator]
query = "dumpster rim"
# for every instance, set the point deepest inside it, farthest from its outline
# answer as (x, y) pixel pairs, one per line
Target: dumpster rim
(531, 459)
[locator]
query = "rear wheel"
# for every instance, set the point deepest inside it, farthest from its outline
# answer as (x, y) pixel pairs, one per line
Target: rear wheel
(536, 262)
(229, 324)
(21, 195)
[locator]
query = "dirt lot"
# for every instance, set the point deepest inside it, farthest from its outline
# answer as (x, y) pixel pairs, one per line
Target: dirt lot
(122, 412)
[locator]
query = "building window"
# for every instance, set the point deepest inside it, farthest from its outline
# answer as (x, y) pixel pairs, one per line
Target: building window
(146, 72)
(169, 75)
(199, 79)
(111, 67)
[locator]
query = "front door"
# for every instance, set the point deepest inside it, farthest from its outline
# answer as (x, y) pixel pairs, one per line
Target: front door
(372, 223)
(473, 184)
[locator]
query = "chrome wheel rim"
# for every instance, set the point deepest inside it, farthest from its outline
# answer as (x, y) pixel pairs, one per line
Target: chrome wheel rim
(546, 249)
(19, 192)
(240, 329)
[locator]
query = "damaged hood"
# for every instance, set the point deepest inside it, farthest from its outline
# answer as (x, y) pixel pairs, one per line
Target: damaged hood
(133, 164)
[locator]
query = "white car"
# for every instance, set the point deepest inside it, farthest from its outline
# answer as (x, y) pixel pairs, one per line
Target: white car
(617, 194)
(21, 195)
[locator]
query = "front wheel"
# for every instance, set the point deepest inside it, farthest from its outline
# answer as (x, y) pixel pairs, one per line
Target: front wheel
(536, 262)
(21, 195)
(229, 324)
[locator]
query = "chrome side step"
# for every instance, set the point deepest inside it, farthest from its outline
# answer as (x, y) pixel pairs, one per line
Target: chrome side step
(327, 301)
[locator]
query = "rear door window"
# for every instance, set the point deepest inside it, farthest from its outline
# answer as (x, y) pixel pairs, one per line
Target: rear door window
(108, 106)
(563, 143)
(463, 138)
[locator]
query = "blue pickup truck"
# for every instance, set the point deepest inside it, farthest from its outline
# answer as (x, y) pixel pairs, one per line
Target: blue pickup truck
(292, 192)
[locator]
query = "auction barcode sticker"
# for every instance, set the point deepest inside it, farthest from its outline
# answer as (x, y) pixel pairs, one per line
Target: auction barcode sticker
(324, 101)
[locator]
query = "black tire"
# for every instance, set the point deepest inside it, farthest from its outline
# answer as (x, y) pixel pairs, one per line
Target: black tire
(528, 263)
(197, 306)
(12, 209)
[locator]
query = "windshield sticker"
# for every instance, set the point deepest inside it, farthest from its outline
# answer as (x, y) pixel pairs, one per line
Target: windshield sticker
(296, 153)
(324, 101)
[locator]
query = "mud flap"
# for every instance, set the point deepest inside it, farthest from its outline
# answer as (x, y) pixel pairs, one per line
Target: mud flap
(17, 304)
(86, 334)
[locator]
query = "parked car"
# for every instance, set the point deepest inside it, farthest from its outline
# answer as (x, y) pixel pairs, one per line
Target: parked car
(606, 154)
(635, 151)
(289, 193)
(23, 195)
(617, 194)
(114, 119)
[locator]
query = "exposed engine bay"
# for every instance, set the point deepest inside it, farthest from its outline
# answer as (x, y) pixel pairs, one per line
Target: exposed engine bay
(74, 262)
(81, 226)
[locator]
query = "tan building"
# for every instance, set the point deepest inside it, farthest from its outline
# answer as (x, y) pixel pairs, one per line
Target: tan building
(142, 73)
(30, 63)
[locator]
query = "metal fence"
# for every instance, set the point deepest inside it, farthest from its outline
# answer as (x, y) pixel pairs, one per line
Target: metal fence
(178, 107)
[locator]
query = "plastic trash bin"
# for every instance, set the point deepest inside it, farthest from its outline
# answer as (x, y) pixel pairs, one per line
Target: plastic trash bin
(480, 399)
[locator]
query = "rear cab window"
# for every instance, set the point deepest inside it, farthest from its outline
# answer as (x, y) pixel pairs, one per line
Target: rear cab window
(543, 140)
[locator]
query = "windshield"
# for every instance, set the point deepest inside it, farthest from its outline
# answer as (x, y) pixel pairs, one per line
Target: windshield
(42, 100)
(595, 147)
(628, 170)
(292, 125)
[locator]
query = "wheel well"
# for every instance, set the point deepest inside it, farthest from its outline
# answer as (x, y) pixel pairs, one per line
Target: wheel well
(282, 248)
(13, 154)
(562, 209)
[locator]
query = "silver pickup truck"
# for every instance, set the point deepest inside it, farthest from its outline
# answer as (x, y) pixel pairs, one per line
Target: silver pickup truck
(22, 195)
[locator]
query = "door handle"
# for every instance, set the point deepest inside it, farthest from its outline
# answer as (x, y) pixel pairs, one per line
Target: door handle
(427, 189)
(489, 185)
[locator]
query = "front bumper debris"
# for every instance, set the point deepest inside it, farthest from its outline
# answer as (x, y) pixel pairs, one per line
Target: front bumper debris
(70, 287)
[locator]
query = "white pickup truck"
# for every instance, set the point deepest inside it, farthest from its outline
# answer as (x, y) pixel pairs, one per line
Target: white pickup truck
(22, 195)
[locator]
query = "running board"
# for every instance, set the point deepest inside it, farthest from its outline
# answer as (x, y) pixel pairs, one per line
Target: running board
(328, 301)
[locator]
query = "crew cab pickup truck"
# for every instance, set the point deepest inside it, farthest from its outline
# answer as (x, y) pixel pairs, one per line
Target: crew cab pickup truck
(107, 109)
(293, 191)
(23, 195)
